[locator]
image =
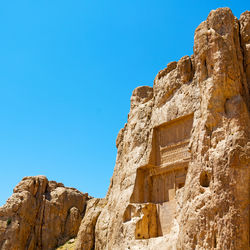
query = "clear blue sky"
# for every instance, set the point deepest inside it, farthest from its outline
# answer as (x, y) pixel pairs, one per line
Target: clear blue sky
(67, 71)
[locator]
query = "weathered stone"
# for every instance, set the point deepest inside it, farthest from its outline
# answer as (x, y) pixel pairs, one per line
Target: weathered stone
(40, 214)
(86, 235)
(171, 66)
(245, 44)
(182, 173)
(141, 95)
(185, 69)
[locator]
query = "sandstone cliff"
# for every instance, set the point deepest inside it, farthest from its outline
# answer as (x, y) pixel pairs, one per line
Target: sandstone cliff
(182, 174)
(40, 214)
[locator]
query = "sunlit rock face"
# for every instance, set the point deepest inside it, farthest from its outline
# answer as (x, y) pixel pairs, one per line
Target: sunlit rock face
(182, 174)
(40, 214)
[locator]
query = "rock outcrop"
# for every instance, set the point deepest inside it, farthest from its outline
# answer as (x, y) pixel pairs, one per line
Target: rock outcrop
(40, 214)
(86, 235)
(182, 174)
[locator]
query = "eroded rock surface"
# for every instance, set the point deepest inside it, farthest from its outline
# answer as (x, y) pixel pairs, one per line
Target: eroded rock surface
(86, 235)
(182, 175)
(40, 214)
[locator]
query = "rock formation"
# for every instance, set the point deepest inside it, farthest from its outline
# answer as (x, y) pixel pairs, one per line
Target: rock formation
(40, 214)
(86, 234)
(182, 174)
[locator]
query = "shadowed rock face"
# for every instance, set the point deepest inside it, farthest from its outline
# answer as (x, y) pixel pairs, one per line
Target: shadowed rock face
(40, 214)
(182, 174)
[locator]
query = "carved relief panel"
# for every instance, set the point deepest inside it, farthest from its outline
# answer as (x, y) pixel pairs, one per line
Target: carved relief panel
(157, 182)
(171, 141)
